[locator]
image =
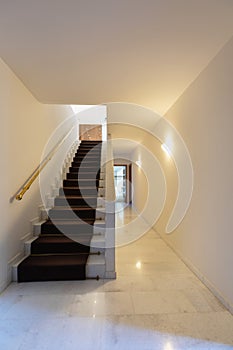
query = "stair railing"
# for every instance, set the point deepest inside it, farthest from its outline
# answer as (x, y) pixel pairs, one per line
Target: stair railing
(25, 187)
(109, 209)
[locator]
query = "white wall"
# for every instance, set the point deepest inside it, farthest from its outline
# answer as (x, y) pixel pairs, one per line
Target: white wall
(26, 126)
(203, 116)
(92, 115)
(52, 174)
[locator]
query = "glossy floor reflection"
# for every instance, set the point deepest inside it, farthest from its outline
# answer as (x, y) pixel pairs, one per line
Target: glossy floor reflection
(155, 303)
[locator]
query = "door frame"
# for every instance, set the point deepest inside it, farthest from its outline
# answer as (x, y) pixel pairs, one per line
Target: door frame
(128, 177)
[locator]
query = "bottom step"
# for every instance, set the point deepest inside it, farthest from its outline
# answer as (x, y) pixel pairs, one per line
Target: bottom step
(52, 268)
(59, 268)
(95, 266)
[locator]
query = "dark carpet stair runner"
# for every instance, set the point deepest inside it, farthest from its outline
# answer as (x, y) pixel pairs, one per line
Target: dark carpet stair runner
(62, 249)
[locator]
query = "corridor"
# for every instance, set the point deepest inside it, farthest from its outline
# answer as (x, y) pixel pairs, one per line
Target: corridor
(156, 303)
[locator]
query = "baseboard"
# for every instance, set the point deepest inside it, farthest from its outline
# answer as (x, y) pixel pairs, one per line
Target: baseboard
(3, 286)
(26, 237)
(200, 276)
(18, 255)
(10, 263)
(34, 221)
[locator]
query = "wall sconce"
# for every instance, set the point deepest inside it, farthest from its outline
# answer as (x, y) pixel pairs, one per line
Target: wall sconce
(139, 163)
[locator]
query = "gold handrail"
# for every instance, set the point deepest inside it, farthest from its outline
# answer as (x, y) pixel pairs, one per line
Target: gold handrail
(41, 166)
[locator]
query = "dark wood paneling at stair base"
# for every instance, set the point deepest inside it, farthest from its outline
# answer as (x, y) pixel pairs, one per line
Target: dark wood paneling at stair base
(54, 255)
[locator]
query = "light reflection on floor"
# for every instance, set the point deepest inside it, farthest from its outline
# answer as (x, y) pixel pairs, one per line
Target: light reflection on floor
(156, 302)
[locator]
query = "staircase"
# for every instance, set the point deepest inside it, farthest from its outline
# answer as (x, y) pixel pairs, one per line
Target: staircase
(62, 249)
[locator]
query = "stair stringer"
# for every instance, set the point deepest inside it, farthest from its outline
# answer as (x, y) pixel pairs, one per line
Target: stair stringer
(99, 242)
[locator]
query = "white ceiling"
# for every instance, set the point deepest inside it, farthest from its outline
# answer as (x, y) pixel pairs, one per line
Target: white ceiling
(98, 51)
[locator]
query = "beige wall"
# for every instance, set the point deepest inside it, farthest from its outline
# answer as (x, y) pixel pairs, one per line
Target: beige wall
(146, 187)
(203, 116)
(26, 126)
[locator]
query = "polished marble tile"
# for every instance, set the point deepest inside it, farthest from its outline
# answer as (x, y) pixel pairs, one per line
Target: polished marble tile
(203, 300)
(64, 333)
(215, 327)
(161, 302)
(38, 306)
(82, 333)
(59, 287)
(128, 284)
(148, 269)
(175, 281)
(99, 304)
(7, 300)
(129, 337)
(44, 334)
(152, 332)
(13, 332)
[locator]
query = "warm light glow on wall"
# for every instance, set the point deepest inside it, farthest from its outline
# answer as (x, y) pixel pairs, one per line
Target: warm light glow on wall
(139, 163)
(166, 149)
(138, 265)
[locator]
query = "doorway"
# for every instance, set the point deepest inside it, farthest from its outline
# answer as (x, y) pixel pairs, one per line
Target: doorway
(122, 182)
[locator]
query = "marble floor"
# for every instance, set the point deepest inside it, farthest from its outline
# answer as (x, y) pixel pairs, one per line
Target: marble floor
(156, 303)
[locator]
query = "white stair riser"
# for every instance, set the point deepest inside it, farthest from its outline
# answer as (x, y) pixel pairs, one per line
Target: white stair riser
(37, 228)
(44, 215)
(92, 271)
(99, 215)
(14, 274)
(27, 248)
(100, 202)
(101, 183)
(101, 192)
(96, 250)
(99, 227)
(96, 266)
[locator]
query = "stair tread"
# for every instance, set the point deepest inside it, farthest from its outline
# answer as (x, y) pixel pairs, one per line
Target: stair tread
(76, 197)
(54, 260)
(84, 172)
(96, 260)
(72, 208)
(89, 162)
(68, 222)
(76, 187)
(80, 179)
(87, 158)
(98, 238)
(62, 239)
